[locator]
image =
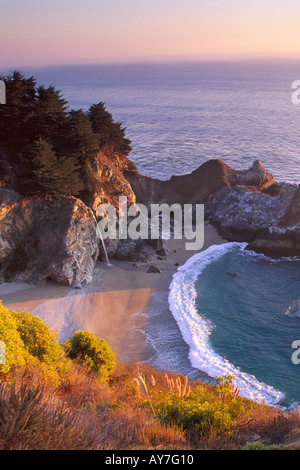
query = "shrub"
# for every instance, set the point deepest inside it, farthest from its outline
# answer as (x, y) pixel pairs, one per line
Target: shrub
(204, 410)
(39, 340)
(30, 342)
(93, 352)
(15, 353)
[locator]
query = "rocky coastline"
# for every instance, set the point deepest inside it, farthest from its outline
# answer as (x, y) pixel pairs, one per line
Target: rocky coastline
(55, 238)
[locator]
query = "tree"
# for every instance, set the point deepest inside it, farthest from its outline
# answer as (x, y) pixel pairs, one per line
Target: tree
(111, 136)
(50, 114)
(81, 144)
(80, 139)
(16, 117)
(50, 174)
(46, 149)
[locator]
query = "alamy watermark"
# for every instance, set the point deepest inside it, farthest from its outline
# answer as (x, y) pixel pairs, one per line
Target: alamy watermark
(296, 354)
(2, 353)
(160, 220)
(296, 94)
(2, 92)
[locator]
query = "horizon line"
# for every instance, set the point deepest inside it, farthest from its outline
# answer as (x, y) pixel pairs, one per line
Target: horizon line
(158, 60)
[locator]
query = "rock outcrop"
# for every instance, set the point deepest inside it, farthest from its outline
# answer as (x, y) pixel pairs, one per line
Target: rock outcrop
(46, 240)
(246, 206)
(196, 187)
(268, 220)
(56, 239)
(107, 181)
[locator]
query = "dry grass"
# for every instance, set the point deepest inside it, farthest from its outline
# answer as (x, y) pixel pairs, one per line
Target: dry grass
(84, 414)
(81, 414)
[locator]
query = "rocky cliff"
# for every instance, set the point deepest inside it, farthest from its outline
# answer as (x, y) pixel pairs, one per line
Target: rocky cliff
(108, 181)
(196, 187)
(268, 220)
(56, 239)
(44, 239)
(246, 206)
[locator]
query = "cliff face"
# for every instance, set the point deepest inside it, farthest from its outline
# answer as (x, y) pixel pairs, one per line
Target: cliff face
(46, 239)
(108, 182)
(56, 238)
(196, 187)
(269, 220)
(246, 206)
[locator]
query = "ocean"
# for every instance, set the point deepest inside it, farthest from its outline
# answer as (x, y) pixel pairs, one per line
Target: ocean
(179, 115)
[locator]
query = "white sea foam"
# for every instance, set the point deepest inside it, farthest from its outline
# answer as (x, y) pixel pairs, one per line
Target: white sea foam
(195, 329)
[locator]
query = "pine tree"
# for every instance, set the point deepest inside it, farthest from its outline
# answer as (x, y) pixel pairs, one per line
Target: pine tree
(46, 149)
(111, 136)
(50, 174)
(50, 114)
(80, 140)
(16, 117)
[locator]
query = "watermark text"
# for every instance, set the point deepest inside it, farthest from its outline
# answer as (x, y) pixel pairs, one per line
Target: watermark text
(296, 94)
(2, 92)
(2, 353)
(160, 220)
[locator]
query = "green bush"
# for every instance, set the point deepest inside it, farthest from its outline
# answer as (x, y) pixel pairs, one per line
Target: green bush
(261, 446)
(39, 340)
(93, 352)
(15, 352)
(203, 410)
(29, 341)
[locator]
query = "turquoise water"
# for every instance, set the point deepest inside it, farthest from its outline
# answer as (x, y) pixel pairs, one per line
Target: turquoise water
(255, 322)
(239, 312)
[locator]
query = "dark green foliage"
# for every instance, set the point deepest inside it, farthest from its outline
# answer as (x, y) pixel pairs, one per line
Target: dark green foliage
(50, 114)
(111, 136)
(50, 149)
(49, 173)
(80, 139)
(16, 116)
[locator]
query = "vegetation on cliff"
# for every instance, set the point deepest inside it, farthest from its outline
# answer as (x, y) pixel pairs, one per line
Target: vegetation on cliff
(74, 396)
(48, 149)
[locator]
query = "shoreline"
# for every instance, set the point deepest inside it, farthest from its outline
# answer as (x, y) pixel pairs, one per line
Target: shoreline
(113, 307)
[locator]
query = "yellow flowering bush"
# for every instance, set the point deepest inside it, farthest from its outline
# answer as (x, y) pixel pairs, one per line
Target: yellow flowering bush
(93, 352)
(205, 409)
(15, 352)
(28, 340)
(39, 340)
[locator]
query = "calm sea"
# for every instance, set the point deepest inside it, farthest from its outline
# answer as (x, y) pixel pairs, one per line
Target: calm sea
(178, 116)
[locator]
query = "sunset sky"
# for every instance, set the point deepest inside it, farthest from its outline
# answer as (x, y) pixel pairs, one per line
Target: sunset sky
(42, 32)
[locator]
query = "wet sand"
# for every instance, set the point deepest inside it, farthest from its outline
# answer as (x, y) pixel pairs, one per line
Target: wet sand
(113, 306)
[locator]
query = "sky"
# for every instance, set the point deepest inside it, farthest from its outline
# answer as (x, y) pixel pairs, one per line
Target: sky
(49, 32)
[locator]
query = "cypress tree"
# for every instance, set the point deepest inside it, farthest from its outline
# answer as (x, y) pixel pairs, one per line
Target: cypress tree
(51, 174)
(111, 136)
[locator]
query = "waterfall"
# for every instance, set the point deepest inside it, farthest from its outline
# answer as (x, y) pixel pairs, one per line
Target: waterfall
(101, 238)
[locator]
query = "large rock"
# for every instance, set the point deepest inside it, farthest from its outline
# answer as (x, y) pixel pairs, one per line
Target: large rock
(56, 239)
(44, 239)
(196, 187)
(107, 181)
(268, 220)
(133, 250)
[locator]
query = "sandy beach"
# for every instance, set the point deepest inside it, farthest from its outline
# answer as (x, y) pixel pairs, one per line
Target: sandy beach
(113, 306)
